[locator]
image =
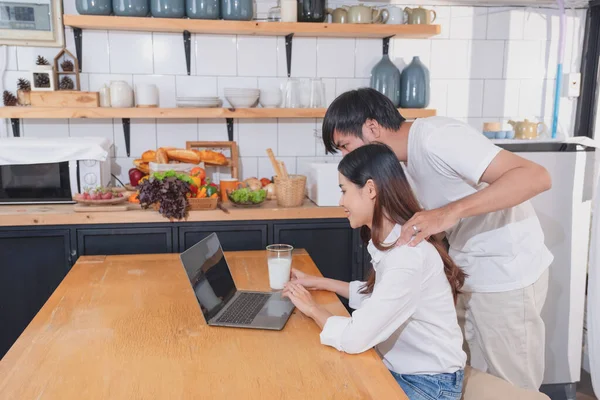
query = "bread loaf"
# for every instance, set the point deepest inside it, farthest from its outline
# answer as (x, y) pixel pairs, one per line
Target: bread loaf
(161, 156)
(142, 165)
(149, 156)
(185, 156)
(211, 157)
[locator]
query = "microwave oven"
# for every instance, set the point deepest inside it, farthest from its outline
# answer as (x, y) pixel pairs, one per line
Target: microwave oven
(38, 172)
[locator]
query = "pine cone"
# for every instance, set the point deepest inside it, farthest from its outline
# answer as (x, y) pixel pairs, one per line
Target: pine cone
(10, 100)
(41, 61)
(41, 80)
(24, 84)
(67, 65)
(66, 83)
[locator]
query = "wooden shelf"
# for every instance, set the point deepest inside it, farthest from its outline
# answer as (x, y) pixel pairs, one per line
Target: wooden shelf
(182, 113)
(220, 27)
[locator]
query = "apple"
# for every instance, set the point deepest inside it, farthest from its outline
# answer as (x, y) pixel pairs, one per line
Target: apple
(134, 176)
(86, 196)
(107, 196)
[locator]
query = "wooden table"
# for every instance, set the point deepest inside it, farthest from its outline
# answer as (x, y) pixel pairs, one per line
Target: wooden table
(129, 327)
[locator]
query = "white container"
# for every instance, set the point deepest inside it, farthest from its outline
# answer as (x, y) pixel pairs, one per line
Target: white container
(289, 11)
(323, 184)
(121, 94)
(146, 95)
(104, 96)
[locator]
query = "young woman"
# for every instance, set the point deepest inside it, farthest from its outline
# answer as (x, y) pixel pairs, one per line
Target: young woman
(406, 309)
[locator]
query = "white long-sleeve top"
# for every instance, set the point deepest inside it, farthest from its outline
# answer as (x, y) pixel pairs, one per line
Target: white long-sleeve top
(410, 317)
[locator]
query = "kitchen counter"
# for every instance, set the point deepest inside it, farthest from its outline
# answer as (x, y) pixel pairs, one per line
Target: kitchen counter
(124, 327)
(64, 214)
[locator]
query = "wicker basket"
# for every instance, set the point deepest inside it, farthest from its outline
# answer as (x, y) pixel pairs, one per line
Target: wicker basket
(291, 191)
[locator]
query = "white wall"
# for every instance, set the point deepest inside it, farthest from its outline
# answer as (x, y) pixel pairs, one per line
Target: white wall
(488, 64)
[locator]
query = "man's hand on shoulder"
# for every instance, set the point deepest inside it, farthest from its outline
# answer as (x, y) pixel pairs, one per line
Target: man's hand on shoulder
(427, 223)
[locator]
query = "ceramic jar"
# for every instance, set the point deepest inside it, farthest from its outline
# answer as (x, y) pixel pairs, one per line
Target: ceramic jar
(414, 85)
(94, 7)
(420, 15)
(203, 9)
(167, 8)
(121, 94)
(527, 129)
(395, 16)
(366, 15)
(146, 95)
(385, 77)
(131, 8)
(237, 10)
(339, 15)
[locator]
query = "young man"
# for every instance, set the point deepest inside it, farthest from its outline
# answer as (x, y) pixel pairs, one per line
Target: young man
(477, 194)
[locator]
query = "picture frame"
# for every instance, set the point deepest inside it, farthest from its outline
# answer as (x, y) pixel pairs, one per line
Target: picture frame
(35, 23)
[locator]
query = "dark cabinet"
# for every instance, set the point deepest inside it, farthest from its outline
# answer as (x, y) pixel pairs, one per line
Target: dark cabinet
(33, 262)
(117, 241)
(333, 246)
(232, 237)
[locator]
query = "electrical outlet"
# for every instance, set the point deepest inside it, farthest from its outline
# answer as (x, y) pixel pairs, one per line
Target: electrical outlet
(572, 84)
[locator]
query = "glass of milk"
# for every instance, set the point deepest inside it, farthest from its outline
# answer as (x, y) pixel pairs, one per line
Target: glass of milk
(279, 260)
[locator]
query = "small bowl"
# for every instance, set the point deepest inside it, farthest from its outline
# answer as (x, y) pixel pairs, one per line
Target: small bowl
(501, 135)
(270, 99)
(490, 135)
(510, 134)
(242, 102)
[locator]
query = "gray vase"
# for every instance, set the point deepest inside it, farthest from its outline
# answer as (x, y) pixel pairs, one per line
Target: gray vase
(385, 77)
(414, 85)
(203, 9)
(131, 8)
(168, 8)
(237, 10)
(93, 7)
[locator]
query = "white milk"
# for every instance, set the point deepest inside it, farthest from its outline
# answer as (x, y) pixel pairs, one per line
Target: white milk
(279, 272)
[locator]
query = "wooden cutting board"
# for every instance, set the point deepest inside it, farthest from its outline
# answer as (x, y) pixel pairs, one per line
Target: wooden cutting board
(116, 207)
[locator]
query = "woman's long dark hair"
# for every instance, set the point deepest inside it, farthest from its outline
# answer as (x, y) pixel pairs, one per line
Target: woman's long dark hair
(395, 202)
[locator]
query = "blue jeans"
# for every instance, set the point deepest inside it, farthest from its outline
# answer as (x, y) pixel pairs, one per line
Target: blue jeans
(431, 387)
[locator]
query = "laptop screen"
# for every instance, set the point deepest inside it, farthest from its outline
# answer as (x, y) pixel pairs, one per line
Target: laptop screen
(209, 275)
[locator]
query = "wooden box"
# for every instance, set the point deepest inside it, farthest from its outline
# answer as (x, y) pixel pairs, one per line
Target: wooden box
(65, 98)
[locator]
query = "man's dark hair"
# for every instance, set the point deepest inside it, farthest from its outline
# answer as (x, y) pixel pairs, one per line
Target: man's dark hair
(350, 110)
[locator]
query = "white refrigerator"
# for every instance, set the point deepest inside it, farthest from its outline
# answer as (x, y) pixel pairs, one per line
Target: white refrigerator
(565, 214)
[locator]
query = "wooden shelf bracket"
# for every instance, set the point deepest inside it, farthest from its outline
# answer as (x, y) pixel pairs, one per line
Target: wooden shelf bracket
(78, 36)
(16, 126)
(127, 134)
(229, 128)
(187, 46)
(288, 53)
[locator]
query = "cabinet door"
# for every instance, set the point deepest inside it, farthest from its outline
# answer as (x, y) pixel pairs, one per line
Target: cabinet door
(331, 245)
(232, 237)
(32, 265)
(116, 241)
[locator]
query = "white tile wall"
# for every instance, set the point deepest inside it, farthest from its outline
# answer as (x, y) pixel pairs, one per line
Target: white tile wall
(489, 64)
(131, 52)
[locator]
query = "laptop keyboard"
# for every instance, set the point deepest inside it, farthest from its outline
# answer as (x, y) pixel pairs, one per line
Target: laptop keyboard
(244, 308)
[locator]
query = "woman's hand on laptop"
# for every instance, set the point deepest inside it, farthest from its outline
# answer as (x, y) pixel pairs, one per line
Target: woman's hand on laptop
(304, 302)
(310, 282)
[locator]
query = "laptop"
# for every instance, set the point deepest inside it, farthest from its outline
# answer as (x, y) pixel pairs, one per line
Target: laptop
(221, 302)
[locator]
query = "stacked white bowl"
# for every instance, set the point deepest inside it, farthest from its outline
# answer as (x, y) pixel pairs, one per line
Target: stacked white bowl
(242, 98)
(200, 102)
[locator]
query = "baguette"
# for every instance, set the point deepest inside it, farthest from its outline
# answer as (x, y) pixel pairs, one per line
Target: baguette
(142, 165)
(211, 157)
(149, 156)
(185, 156)
(161, 156)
